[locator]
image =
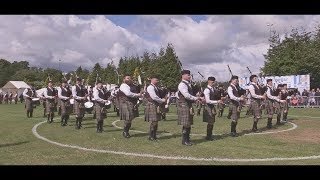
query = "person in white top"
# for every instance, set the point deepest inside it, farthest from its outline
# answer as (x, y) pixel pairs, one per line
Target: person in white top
(127, 100)
(272, 99)
(256, 100)
(184, 104)
(28, 94)
(79, 93)
(152, 111)
(101, 98)
(115, 99)
(49, 94)
(209, 110)
(235, 100)
(64, 95)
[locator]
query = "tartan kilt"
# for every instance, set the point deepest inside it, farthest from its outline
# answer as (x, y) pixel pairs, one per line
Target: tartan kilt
(65, 107)
(235, 113)
(29, 104)
(270, 107)
(256, 107)
(126, 110)
(221, 106)
(278, 108)
(151, 112)
(101, 111)
(79, 108)
(184, 116)
(209, 113)
(50, 105)
(285, 106)
(136, 110)
(116, 102)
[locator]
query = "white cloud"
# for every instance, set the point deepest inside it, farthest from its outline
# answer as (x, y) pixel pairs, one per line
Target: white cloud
(207, 46)
(43, 40)
(211, 44)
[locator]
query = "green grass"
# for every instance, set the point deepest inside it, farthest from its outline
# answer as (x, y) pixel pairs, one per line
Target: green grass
(19, 146)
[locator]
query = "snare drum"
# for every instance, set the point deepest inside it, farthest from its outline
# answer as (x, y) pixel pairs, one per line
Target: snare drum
(89, 106)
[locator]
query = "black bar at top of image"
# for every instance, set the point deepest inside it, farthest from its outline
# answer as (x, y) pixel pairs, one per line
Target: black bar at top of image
(159, 7)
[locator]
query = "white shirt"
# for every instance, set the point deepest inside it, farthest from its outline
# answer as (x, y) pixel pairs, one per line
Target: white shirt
(230, 93)
(270, 96)
(96, 95)
(125, 88)
(45, 93)
(183, 89)
(60, 94)
(206, 93)
(252, 92)
(151, 89)
(74, 93)
(25, 93)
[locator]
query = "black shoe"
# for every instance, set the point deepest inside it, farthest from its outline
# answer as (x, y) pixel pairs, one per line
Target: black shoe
(209, 138)
(151, 139)
(187, 143)
(269, 126)
(126, 134)
(233, 134)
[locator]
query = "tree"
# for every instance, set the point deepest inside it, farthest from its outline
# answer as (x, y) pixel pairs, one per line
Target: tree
(297, 54)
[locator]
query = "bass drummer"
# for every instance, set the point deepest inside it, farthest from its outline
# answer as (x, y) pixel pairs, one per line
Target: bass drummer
(64, 94)
(101, 99)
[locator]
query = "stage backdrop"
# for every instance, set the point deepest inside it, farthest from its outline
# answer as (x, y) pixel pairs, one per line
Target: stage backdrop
(294, 81)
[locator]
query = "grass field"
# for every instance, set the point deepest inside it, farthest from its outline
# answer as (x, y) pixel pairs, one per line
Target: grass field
(18, 145)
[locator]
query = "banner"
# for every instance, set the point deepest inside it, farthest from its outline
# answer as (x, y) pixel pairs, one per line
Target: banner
(300, 82)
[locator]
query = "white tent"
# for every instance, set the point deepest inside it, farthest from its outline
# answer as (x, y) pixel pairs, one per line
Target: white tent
(15, 86)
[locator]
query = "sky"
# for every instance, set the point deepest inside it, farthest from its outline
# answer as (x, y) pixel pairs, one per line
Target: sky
(204, 43)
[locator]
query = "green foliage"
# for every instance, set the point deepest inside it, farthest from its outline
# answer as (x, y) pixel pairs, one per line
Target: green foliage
(298, 53)
(164, 63)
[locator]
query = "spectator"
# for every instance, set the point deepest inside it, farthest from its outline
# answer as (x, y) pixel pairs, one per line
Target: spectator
(312, 100)
(317, 94)
(305, 95)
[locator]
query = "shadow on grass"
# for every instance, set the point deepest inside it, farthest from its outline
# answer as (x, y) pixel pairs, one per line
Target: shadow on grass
(13, 144)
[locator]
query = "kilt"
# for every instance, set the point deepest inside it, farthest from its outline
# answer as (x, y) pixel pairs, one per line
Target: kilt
(116, 102)
(209, 113)
(221, 106)
(79, 108)
(152, 112)
(126, 110)
(101, 111)
(278, 108)
(235, 113)
(284, 107)
(29, 104)
(185, 118)
(65, 107)
(270, 107)
(44, 104)
(50, 105)
(136, 110)
(255, 104)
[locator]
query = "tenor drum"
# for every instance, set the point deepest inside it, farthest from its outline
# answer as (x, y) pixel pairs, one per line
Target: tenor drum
(72, 101)
(89, 106)
(36, 101)
(108, 104)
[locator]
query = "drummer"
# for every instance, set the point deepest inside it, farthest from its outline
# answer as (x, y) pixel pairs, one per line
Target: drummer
(101, 97)
(29, 94)
(64, 94)
(79, 94)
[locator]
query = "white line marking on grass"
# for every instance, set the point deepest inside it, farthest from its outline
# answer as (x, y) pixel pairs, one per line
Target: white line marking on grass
(294, 126)
(189, 158)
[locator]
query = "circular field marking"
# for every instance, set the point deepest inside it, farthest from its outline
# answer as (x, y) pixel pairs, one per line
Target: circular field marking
(189, 158)
(294, 126)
